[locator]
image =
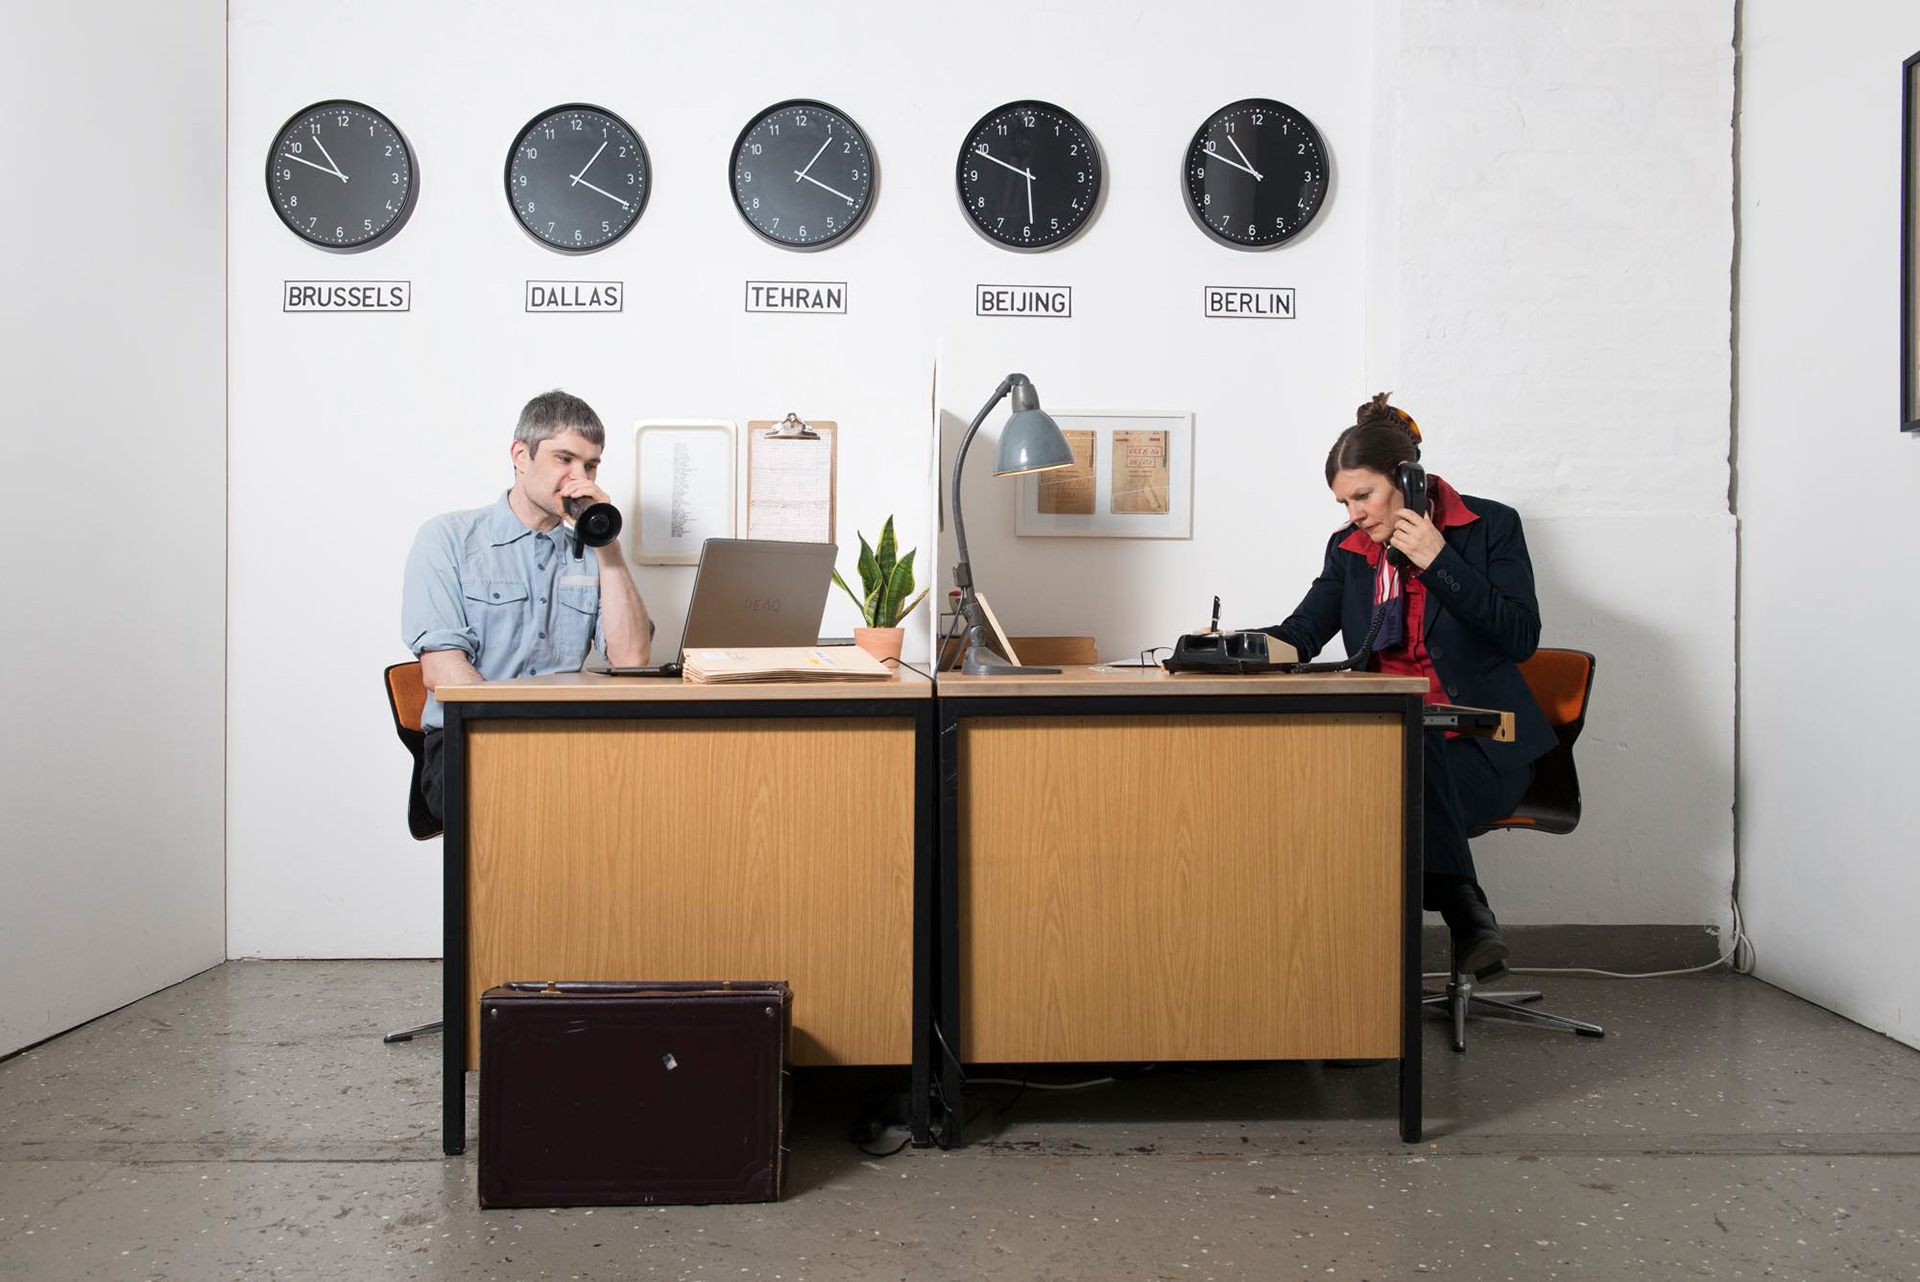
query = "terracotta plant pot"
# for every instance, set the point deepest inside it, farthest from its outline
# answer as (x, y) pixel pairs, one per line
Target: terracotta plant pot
(881, 643)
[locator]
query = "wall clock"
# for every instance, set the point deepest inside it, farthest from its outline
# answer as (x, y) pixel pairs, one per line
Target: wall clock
(1255, 174)
(578, 178)
(341, 176)
(802, 175)
(1029, 176)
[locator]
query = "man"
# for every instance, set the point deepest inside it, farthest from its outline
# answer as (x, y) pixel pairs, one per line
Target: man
(496, 592)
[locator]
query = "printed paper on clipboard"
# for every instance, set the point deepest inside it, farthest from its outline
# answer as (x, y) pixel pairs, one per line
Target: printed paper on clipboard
(791, 480)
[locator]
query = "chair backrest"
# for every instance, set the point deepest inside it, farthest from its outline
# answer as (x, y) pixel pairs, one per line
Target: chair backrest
(1562, 684)
(407, 700)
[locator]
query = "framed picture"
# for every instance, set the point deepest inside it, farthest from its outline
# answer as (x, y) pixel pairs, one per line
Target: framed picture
(1909, 244)
(1132, 478)
(682, 488)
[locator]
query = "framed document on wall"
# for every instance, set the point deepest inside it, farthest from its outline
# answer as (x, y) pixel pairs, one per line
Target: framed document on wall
(1909, 244)
(1131, 477)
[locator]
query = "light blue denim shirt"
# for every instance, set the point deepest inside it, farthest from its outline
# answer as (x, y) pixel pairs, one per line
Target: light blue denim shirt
(514, 601)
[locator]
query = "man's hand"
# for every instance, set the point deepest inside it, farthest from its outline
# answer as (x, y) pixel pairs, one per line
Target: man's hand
(448, 668)
(580, 493)
(1416, 536)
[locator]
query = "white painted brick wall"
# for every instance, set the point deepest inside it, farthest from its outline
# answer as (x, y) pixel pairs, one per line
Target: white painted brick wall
(1561, 211)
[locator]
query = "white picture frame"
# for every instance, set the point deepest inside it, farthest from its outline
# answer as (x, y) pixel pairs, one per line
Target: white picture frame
(683, 488)
(1175, 523)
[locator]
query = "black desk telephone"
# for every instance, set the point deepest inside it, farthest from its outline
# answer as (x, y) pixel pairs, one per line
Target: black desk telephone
(1218, 651)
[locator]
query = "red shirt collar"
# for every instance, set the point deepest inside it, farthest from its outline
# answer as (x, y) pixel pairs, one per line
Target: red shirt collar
(1445, 506)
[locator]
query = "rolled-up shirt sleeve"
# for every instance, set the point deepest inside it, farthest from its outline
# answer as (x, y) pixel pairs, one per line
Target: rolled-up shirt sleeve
(433, 612)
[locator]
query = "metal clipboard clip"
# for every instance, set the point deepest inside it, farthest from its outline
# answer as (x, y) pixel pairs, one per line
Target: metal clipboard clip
(791, 428)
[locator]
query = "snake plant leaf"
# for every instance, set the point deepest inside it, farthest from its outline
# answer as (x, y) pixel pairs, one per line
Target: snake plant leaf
(850, 592)
(869, 569)
(887, 552)
(907, 609)
(898, 585)
(876, 601)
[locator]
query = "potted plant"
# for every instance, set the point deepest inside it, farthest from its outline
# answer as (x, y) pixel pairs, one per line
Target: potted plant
(885, 581)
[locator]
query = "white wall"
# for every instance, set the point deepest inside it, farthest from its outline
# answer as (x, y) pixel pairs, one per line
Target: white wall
(1482, 253)
(1828, 874)
(1529, 242)
(111, 771)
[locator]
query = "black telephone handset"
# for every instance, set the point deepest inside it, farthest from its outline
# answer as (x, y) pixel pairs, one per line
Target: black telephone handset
(1411, 479)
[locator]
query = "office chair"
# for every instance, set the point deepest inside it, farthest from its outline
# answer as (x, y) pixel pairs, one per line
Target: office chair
(407, 700)
(1561, 681)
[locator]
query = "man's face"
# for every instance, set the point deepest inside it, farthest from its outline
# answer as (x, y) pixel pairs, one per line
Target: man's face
(564, 457)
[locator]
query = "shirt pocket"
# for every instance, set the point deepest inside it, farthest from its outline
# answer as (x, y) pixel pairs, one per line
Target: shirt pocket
(497, 592)
(573, 621)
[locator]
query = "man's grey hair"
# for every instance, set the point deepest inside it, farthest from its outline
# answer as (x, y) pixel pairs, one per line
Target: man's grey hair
(551, 413)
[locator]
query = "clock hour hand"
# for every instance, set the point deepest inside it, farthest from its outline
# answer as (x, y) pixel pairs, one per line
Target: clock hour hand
(1024, 173)
(609, 195)
(287, 155)
(1233, 164)
(797, 176)
(1258, 176)
(329, 155)
(590, 159)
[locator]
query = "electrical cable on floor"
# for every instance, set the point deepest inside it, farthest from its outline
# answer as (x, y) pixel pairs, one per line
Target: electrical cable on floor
(1742, 945)
(1040, 1086)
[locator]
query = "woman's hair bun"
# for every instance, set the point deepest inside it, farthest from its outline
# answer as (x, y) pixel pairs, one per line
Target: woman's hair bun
(1378, 410)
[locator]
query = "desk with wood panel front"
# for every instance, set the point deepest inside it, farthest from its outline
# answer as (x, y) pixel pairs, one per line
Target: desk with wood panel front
(1127, 865)
(645, 828)
(1136, 866)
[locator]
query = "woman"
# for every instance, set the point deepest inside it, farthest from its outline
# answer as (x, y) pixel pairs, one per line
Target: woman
(1462, 615)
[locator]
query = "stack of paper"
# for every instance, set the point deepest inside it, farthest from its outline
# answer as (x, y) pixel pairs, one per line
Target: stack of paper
(784, 663)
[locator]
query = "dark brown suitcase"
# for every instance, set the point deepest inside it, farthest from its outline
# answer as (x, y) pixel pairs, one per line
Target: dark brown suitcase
(618, 1094)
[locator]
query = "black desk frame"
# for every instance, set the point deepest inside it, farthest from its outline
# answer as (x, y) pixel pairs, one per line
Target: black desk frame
(461, 713)
(955, 709)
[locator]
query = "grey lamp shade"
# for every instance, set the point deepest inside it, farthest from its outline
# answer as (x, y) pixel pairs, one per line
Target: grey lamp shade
(1031, 442)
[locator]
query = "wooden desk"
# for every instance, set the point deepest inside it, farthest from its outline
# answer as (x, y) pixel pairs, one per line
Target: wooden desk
(1138, 866)
(646, 828)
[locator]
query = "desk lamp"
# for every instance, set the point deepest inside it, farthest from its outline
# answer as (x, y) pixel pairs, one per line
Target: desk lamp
(1030, 442)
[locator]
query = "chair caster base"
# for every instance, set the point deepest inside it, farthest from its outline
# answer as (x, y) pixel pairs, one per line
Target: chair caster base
(408, 1034)
(1458, 1001)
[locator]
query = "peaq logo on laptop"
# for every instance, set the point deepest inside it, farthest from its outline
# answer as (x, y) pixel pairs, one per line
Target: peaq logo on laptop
(761, 605)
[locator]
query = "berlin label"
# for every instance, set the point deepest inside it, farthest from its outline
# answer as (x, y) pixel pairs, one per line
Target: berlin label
(1247, 302)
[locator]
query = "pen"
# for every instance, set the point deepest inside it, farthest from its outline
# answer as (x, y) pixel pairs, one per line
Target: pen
(1216, 615)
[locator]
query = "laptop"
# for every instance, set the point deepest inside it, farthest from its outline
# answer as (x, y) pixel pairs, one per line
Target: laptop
(751, 593)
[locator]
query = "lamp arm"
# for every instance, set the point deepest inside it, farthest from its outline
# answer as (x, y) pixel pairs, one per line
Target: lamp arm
(963, 572)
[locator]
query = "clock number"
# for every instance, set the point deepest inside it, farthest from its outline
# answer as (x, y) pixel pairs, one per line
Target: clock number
(295, 147)
(576, 235)
(846, 149)
(998, 223)
(389, 149)
(756, 149)
(803, 231)
(344, 122)
(340, 233)
(1303, 204)
(981, 203)
(1028, 122)
(756, 202)
(1001, 129)
(576, 123)
(548, 131)
(1303, 149)
(776, 130)
(287, 174)
(1056, 224)
(533, 153)
(747, 176)
(1081, 177)
(1252, 230)
(1307, 177)
(1074, 150)
(800, 120)
(776, 224)
(605, 226)
(396, 179)
(1212, 145)
(1259, 118)
(367, 223)
(973, 175)
(523, 180)
(293, 202)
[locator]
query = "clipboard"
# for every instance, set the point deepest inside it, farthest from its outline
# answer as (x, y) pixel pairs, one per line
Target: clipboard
(793, 479)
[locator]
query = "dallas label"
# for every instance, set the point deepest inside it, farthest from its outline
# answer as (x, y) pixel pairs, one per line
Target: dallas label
(346, 296)
(828, 297)
(1242, 301)
(575, 295)
(1053, 302)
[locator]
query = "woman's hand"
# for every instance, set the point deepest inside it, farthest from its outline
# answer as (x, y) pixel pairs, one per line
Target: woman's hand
(1416, 536)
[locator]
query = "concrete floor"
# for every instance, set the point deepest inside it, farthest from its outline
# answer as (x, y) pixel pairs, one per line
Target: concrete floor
(250, 1124)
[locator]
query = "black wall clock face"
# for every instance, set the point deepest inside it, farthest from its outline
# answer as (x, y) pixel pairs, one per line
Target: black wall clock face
(1256, 174)
(578, 178)
(802, 175)
(341, 176)
(1029, 176)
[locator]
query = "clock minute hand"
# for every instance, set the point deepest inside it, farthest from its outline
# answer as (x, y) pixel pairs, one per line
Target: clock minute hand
(590, 159)
(1232, 164)
(1257, 175)
(329, 155)
(797, 176)
(287, 155)
(609, 195)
